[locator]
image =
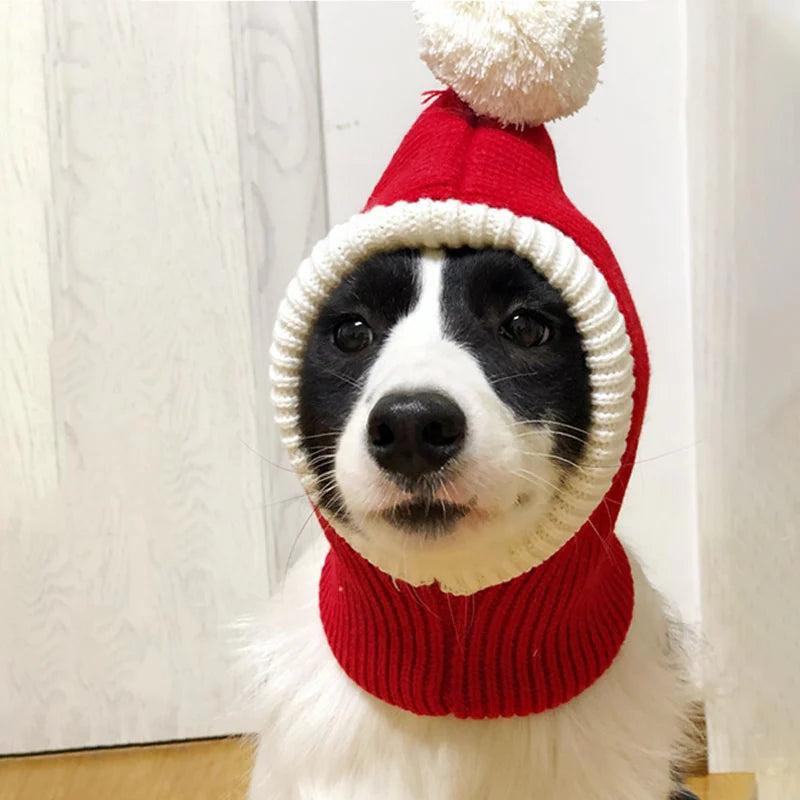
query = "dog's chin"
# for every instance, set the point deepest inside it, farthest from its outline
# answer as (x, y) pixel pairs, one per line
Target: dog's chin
(425, 516)
(422, 541)
(468, 526)
(429, 517)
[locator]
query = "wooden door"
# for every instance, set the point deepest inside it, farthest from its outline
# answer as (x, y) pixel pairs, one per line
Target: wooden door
(160, 179)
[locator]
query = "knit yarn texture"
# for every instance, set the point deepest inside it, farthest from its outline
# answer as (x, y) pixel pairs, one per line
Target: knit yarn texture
(514, 631)
(514, 649)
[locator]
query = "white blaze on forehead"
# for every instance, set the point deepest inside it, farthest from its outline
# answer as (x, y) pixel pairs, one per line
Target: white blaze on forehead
(429, 306)
(406, 359)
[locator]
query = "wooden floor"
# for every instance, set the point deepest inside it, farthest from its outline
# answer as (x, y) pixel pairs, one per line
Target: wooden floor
(734, 786)
(208, 770)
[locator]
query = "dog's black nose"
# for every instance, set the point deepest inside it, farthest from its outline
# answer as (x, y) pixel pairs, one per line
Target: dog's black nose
(412, 434)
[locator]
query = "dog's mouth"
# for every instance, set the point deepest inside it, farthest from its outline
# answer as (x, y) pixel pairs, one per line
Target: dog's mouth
(427, 516)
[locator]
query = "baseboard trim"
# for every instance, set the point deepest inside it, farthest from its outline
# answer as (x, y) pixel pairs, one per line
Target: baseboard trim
(730, 786)
(211, 769)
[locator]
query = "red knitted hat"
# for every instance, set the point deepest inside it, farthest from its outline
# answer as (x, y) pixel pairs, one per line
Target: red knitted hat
(492, 629)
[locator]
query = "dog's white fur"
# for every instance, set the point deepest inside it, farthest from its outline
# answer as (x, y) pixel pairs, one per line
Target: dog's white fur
(324, 738)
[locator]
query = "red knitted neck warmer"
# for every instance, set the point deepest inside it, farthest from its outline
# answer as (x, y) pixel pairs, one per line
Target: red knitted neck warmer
(513, 649)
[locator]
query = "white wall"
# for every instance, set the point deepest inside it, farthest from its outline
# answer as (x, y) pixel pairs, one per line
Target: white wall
(745, 190)
(622, 162)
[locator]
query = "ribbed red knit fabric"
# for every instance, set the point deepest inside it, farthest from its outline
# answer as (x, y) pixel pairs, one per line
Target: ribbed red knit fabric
(534, 642)
(514, 649)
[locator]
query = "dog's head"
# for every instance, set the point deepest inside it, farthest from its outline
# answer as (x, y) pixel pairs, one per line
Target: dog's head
(443, 392)
(453, 366)
(456, 413)
(444, 397)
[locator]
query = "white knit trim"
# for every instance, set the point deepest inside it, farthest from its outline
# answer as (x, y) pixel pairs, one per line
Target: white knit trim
(451, 224)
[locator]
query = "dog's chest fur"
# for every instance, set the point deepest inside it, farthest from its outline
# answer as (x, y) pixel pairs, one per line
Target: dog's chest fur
(324, 738)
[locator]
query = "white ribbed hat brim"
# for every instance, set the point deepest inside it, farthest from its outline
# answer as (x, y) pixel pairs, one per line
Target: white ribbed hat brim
(591, 303)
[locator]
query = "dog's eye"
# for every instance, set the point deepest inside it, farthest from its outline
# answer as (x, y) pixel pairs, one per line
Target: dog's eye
(526, 329)
(352, 335)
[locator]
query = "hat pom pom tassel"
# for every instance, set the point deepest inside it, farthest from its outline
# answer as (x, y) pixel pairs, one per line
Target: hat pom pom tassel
(520, 62)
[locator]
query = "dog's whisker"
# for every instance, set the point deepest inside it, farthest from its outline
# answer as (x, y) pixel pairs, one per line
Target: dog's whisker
(265, 459)
(613, 465)
(344, 378)
(569, 462)
(545, 422)
(322, 459)
(503, 378)
(421, 603)
(333, 432)
(536, 478)
(544, 432)
(274, 503)
(294, 544)
(317, 448)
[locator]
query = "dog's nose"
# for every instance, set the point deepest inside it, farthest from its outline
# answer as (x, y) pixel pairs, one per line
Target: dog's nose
(412, 434)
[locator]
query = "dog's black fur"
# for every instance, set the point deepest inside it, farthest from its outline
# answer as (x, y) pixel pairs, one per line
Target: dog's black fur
(493, 303)
(380, 291)
(483, 290)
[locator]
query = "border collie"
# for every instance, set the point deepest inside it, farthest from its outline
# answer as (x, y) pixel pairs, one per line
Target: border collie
(444, 400)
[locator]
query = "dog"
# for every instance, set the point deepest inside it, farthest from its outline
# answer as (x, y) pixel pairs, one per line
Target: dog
(445, 401)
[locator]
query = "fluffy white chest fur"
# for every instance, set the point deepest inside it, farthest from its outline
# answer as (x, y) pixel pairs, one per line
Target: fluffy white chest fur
(324, 738)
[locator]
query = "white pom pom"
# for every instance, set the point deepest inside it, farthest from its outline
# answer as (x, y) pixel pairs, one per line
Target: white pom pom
(522, 62)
